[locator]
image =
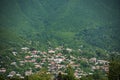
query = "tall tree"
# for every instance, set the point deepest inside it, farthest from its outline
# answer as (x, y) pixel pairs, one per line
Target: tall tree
(41, 75)
(70, 73)
(114, 67)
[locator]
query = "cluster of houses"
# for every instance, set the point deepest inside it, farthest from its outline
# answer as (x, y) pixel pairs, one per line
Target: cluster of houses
(55, 61)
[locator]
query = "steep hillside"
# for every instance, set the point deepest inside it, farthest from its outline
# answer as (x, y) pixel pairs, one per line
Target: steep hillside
(91, 22)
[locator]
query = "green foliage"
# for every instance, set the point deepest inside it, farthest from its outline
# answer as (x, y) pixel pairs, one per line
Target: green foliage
(87, 78)
(97, 75)
(15, 78)
(66, 21)
(2, 77)
(70, 73)
(68, 76)
(114, 69)
(51, 23)
(41, 75)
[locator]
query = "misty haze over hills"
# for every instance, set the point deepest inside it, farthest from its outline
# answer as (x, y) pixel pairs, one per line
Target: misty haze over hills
(93, 23)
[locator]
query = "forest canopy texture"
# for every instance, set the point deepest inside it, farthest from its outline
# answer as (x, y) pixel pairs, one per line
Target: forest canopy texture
(93, 23)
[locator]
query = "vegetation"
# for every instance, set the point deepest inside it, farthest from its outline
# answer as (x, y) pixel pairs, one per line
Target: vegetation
(68, 22)
(44, 75)
(92, 26)
(114, 69)
(41, 75)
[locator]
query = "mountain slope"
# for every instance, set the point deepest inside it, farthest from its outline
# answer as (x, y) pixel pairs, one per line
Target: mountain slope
(92, 22)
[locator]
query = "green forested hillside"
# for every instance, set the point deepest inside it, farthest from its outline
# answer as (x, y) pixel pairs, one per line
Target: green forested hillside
(70, 22)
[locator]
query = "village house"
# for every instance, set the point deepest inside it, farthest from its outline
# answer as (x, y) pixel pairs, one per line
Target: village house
(14, 53)
(2, 70)
(58, 60)
(13, 63)
(34, 52)
(44, 52)
(27, 57)
(69, 50)
(25, 49)
(27, 73)
(59, 48)
(11, 74)
(93, 60)
(84, 59)
(105, 68)
(51, 51)
(38, 66)
(103, 62)
(18, 74)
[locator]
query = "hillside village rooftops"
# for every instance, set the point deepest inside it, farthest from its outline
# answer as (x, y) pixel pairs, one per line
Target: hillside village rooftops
(58, 60)
(69, 50)
(54, 61)
(9, 75)
(102, 61)
(3, 70)
(92, 59)
(13, 63)
(25, 48)
(51, 51)
(27, 73)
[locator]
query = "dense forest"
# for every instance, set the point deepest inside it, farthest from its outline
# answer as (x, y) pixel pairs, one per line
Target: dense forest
(91, 23)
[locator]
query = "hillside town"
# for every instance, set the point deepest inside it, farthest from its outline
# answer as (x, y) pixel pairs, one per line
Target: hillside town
(55, 61)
